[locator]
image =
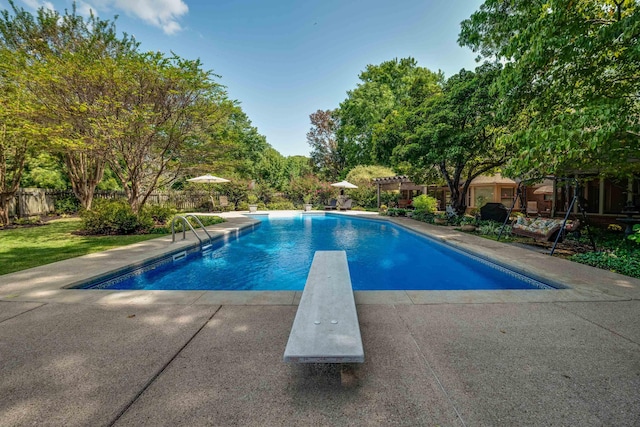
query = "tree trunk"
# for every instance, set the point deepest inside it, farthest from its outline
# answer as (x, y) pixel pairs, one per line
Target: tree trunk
(85, 172)
(4, 208)
(10, 175)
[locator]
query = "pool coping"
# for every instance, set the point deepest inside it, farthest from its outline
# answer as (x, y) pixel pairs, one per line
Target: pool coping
(51, 282)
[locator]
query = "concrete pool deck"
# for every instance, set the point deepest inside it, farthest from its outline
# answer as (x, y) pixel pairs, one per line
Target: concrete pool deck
(101, 357)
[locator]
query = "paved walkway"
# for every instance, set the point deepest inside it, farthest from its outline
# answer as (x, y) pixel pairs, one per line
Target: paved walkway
(77, 357)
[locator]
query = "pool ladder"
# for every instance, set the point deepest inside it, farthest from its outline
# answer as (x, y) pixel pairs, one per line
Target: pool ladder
(185, 223)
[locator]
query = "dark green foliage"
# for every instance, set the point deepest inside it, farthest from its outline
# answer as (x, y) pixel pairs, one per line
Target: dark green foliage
(620, 260)
(160, 213)
(424, 216)
(115, 217)
(635, 236)
(67, 205)
(364, 196)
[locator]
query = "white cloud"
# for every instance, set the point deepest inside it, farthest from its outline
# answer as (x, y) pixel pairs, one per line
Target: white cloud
(85, 9)
(36, 4)
(159, 13)
(164, 14)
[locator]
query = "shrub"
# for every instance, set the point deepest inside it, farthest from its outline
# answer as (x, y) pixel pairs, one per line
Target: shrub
(423, 216)
(66, 205)
(492, 228)
(620, 260)
(114, 217)
(206, 221)
(425, 203)
(32, 220)
(468, 220)
(160, 213)
(397, 212)
(280, 205)
(635, 236)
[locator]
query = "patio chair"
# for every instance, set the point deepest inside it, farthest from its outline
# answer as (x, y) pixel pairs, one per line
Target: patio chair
(346, 204)
(332, 204)
(532, 208)
(224, 203)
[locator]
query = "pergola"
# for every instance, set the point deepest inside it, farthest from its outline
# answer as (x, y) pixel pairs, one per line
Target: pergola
(399, 182)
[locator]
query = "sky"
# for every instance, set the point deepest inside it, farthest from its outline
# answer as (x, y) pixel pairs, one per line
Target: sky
(284, 59)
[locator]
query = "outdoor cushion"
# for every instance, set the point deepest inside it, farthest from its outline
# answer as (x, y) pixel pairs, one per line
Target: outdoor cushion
(541, 228)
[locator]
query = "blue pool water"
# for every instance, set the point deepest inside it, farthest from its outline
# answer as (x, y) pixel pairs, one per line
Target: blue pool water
(277, 255)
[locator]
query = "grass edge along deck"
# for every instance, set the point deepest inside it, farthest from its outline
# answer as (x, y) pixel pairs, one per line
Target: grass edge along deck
(326, 329)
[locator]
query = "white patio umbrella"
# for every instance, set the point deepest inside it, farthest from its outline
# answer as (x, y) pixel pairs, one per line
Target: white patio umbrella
(209, 179)
(342, 185)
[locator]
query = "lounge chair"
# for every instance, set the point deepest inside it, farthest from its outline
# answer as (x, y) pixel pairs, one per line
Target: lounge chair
(532, 208)
(346, 204)
(332, 204)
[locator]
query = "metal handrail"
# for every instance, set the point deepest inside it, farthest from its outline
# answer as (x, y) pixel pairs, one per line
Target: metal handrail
(201, 226)
(185, 222)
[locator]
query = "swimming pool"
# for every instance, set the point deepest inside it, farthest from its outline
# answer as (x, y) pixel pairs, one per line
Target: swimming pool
(278, 253)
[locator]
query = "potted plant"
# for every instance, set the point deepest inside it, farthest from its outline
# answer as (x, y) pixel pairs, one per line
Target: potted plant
(307, 202)
(440, 218)
(253, 202)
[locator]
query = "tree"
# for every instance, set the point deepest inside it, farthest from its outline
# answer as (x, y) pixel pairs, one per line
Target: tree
(271, 170)
(245, 145)
(160, 106)
(321, 137)
(68, 61)
(362, 176)
(457, 132)
(43, 170)
(297, 167)
(18, 136)
(572, 78)
(385, 89)
(230, 145)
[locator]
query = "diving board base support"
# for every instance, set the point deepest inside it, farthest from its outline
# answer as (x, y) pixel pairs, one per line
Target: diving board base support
(326, 329)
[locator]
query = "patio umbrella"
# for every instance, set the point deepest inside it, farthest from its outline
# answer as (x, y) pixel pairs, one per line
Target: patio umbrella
(545, 189)
(208, 179)
(342, 185)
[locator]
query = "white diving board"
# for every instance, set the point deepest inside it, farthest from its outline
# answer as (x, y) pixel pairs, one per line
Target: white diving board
(326, 329)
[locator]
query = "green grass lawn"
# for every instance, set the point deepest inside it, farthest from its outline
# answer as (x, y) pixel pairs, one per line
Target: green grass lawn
(22, 248)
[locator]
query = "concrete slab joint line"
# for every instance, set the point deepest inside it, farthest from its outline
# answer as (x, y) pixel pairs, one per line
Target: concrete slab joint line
(610, 330)
(430, 368)
(160, 371)
(22, 312)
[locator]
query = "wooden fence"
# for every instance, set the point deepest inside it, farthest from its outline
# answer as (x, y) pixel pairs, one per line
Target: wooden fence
(37, 201)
